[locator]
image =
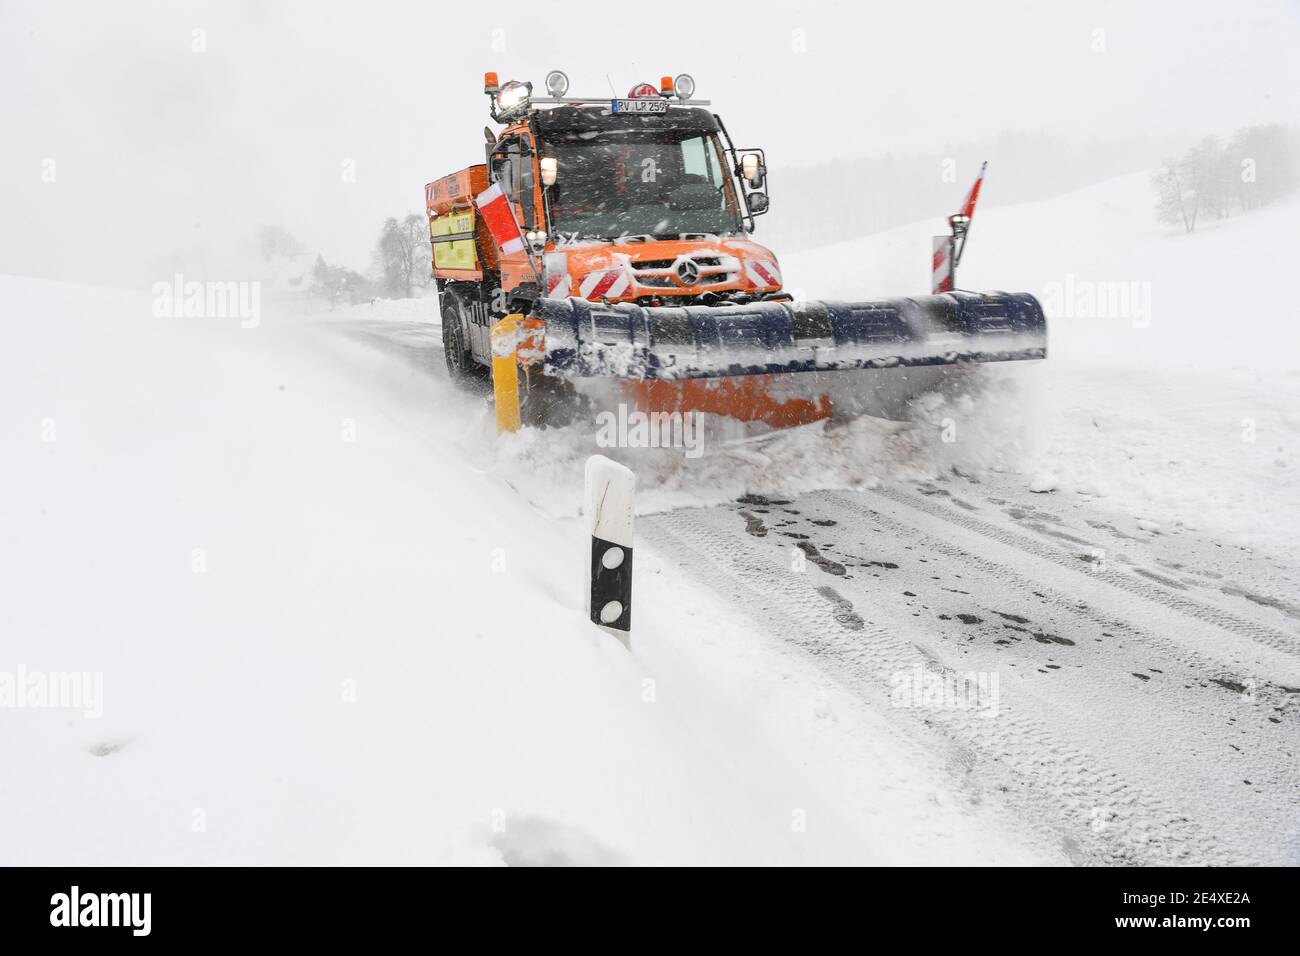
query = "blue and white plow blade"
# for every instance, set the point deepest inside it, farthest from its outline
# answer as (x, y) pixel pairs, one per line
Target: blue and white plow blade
(592, 339)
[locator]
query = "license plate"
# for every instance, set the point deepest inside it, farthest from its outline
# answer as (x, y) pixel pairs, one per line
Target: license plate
(638, 106)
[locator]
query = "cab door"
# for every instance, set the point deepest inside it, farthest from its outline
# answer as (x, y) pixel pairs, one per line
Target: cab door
(514, 166)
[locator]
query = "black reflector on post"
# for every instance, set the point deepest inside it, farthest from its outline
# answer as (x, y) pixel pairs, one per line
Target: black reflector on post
(608, 507)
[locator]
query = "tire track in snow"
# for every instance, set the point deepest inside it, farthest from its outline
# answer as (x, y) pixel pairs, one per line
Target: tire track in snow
(1124, 618)
(1194, 723)
(1051, 785)
(1144, 588)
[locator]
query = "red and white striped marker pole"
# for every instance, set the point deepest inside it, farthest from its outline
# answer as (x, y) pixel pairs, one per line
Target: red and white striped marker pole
(941, 272)
(946, 251)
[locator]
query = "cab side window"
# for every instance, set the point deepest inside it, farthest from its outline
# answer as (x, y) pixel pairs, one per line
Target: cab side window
(503, 169)
(512, 167)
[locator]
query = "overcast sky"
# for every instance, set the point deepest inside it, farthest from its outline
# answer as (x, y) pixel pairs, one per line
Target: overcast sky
(154, 146)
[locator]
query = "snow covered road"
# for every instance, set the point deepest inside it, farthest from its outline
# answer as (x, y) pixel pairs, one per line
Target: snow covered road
(1087, 604)
(1134, 709)
(1128, 692)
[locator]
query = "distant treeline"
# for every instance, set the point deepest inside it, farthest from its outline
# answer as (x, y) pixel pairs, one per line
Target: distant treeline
(399, 263)
(846, 198)
(1258, 166)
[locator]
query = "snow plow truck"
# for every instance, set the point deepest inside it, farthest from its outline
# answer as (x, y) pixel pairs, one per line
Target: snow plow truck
(607, 239)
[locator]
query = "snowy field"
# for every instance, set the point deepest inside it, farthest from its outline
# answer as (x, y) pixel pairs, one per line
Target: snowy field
(337, 621)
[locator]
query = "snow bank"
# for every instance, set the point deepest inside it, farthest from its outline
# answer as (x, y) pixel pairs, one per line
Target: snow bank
(325, 636)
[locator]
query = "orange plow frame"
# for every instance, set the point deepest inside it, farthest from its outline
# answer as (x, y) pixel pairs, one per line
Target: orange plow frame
(747, 398)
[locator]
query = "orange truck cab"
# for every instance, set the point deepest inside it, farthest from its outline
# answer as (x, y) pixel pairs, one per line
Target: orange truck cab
(607, 241)
(642, 199)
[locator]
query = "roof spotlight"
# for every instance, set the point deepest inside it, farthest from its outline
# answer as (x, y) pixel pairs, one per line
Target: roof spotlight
(684, 86)
(513, 95)
(557, 84)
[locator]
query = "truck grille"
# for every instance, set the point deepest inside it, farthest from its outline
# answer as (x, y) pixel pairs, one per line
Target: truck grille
(667, 273)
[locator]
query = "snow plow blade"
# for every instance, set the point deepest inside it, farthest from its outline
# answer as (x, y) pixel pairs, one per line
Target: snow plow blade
(591, 339)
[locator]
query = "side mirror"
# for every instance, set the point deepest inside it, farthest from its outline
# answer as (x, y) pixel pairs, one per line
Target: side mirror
(549, 168)
(751, 170)
(758, 203)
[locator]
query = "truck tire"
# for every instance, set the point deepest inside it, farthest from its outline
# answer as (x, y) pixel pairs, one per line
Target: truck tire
(461, 367)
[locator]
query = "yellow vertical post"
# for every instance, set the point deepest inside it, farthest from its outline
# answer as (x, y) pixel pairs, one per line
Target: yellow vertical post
(505, 372)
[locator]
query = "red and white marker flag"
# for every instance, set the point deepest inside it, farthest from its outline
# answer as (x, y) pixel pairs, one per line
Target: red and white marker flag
(494, 207)
(968, 207)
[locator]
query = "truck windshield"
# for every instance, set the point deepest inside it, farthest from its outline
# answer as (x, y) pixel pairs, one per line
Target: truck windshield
(661, 183)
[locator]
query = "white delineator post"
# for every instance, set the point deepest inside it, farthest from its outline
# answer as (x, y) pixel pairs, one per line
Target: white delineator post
(609, 488)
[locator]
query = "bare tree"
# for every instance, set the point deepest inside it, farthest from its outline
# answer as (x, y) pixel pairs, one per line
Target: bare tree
(402, 253)
(1260, 165)
(417, 233)
(1193, 185)
(1264, 162)
(327, 280)
(1172, 200)
(1210, 180)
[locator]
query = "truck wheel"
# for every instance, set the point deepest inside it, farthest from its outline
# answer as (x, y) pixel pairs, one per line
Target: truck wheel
(461, 368)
